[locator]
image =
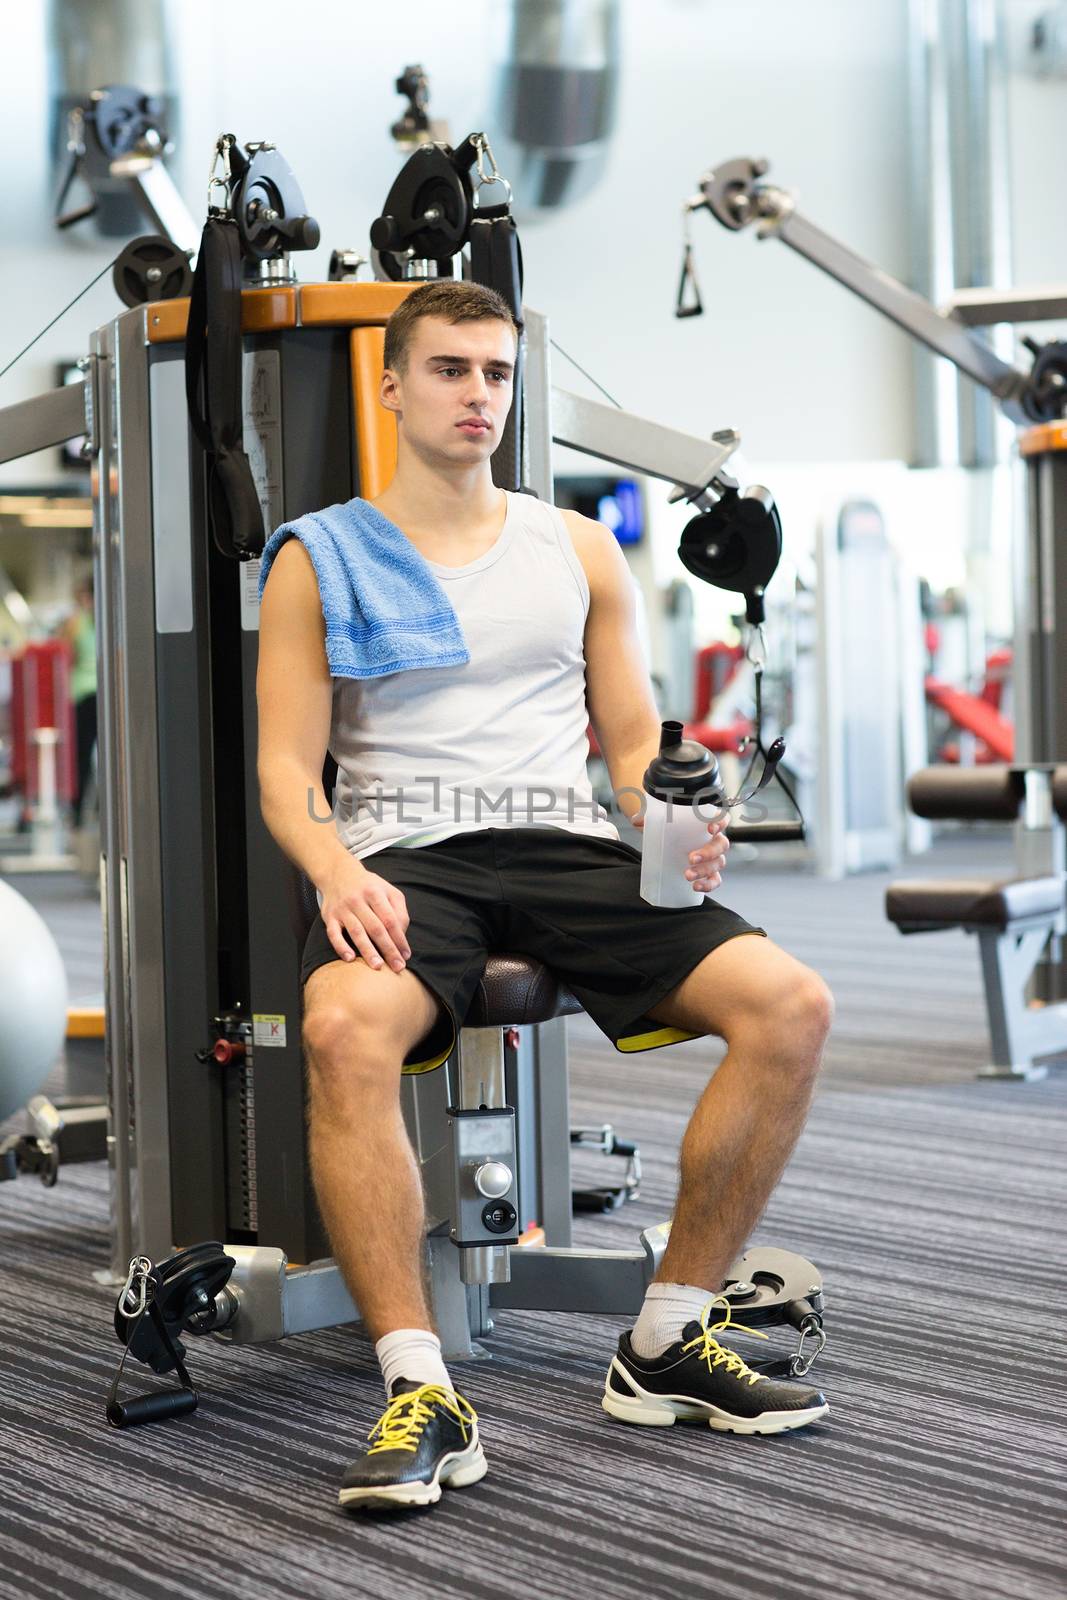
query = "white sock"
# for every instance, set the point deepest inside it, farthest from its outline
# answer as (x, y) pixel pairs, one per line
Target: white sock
(666, 1310)
(412, 1353)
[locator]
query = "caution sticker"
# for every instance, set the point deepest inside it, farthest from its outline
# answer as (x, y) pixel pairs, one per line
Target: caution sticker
(267, 1030)
(249, 581)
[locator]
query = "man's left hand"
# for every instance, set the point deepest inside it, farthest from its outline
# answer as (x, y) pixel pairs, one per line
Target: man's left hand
(706, 864)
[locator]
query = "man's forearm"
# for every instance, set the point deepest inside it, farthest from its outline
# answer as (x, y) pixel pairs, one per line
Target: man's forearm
(301, 823)
(627, 774)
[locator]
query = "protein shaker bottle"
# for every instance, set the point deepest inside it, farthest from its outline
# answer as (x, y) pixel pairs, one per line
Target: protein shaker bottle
(683, 793)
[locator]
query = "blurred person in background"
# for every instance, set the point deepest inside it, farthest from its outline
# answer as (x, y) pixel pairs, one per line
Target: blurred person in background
(79, 630)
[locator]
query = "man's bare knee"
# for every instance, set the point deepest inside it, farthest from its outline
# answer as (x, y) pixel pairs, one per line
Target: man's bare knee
(806, 1008)
(361, 1022)
(793, 1021)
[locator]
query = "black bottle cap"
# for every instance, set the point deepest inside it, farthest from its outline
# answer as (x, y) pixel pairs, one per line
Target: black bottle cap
(684, 770)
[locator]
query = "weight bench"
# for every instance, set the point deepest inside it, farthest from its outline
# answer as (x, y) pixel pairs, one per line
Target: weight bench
(1013, 918)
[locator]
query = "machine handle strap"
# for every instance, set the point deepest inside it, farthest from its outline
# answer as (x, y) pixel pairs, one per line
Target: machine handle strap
(496, 261)
(213, 369)
(771, 760)
(155, 1405)
(694, 306)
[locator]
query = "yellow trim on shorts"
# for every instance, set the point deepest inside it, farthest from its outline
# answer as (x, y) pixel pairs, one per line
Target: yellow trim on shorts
(432, 1062)
(653, 1040)
(632, 1042)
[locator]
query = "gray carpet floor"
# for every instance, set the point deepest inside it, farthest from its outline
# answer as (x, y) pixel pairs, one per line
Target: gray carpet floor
(932, 1203)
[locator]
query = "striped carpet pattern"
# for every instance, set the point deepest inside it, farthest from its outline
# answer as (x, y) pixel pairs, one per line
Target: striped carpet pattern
(933, 1205)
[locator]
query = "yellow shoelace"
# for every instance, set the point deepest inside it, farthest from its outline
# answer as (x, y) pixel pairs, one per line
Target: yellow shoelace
(400, 1425)
(715, 1354)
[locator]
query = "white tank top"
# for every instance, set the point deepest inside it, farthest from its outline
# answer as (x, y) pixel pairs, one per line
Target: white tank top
(497, 742)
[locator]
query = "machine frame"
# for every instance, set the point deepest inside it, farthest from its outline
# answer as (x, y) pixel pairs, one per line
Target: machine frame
(197, 895)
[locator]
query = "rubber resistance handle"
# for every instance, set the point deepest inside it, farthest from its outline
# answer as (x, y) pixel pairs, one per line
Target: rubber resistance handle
(766, 832)
(151, 1408)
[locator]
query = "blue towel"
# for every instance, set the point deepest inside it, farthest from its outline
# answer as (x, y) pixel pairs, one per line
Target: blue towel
(385, 611)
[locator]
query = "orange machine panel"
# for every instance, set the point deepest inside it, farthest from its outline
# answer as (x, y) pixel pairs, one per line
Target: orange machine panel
(261, 311)
(1047, 436)
(351, 304)
(85, 1022)
(375, 427)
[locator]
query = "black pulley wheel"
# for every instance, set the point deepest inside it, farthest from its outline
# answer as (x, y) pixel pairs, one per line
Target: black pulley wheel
(1046, 397)
(427, 211)
(125, 118)
(181, 1287)
(269, 206)
(736, 544)
(730, 191)
(151, 268)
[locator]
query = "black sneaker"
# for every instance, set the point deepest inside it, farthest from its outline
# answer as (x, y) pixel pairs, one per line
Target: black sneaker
(427, 1436)
(699, 1380)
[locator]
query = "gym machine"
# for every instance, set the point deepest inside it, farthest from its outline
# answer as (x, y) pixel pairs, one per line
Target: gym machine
(116, 141)
(204, 917)
(738, 195)
(61, 1131)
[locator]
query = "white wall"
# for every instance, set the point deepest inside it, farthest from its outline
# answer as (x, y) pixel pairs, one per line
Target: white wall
(782, 353)
(1037, 117)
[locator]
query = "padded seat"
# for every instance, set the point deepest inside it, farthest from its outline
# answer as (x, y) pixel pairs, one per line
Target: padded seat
(922, 905)
(516, 988)
(990, 794)
(512, 989)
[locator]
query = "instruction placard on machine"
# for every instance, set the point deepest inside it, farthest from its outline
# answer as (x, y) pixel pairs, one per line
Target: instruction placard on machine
(261, 388)
(268, 1030)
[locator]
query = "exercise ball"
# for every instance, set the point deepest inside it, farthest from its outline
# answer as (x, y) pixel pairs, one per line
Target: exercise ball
(33, 1001)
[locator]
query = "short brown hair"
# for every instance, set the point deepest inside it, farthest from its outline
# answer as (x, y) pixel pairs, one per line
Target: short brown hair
(449, 299)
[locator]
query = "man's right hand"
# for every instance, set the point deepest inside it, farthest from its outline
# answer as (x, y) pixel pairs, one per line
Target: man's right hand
(371, 910)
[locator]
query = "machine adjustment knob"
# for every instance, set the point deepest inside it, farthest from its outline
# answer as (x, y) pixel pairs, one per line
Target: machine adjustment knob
(384, 233)
(493, 1179)
(227, 1051)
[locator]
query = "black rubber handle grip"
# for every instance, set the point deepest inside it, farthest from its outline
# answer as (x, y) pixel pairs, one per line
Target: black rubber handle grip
(766, 832)
(151, 1408)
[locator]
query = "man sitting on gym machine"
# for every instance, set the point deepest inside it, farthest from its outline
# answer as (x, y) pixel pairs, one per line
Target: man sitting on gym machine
(545, 601)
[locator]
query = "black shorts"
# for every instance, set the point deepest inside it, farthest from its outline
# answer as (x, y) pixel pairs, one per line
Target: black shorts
(569, 900)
